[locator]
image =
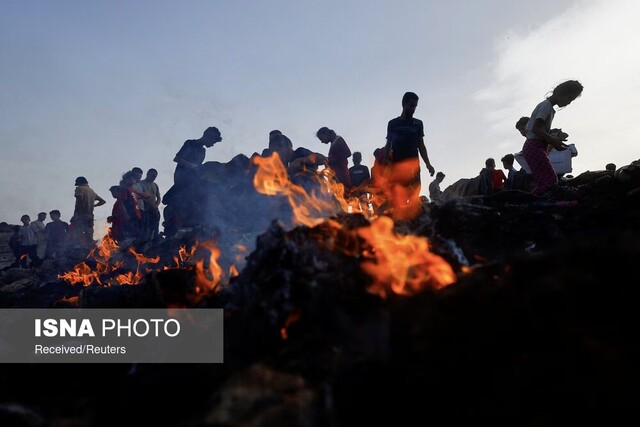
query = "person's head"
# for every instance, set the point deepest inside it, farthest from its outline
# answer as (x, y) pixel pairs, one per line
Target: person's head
(490, 163)
(42, 216)
(521, 125)
(611, 167)
(325, 135)
(566, 92)
(440, 176)
(81, 180)
(128, 179)
(152, 174)
(55, 214)
(357, 158)
(114, 190)
(25, 219)
(409, 104)
(278, 141)
(211, 136)
(274, 133)
(507, 161)
(137, 173)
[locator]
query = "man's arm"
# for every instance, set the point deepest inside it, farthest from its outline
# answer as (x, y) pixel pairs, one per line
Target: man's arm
(425, 156)
(158, 200)
(182, 162)
(99, 201)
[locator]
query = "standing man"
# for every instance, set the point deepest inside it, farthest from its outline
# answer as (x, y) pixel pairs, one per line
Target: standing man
(82, 220)
(39, 226)
(149, 204)
(405, 141)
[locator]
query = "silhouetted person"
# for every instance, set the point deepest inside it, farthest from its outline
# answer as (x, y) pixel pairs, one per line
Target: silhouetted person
(491, 179)
(149, 205)
(539, 137)
(359, 173)
(82, 220)
(610, 167)
(191, 156)
(435, 194)
(56, 233)
(338, 156)
(521, 125)
(28, 243)
(278, 140)
(39, 225)
(405, 142)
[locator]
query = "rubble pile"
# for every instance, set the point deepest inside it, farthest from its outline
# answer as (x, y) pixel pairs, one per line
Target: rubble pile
(538, 328)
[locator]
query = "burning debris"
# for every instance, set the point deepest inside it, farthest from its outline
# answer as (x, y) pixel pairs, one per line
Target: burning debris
(504, 307)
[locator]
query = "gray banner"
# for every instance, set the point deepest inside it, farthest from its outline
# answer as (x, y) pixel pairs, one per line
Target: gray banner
(111, 335)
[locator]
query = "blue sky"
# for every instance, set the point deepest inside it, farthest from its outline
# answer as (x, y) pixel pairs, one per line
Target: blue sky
(95, 88)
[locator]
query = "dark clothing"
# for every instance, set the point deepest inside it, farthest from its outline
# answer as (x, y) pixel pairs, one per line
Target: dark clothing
(56, 233)
(339, 152)
(484, 184)
(30, 251)
(404, 136)
(191, 151)
(359, 174)
(278, 142)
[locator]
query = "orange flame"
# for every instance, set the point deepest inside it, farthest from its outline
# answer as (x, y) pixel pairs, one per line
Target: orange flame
(233, 271)
(102, 254)
(81, 273)
(183, 255)
(127, 278)
(209, 274)
(402, 264)
(272, 179)
(71, 300)
(294, 316)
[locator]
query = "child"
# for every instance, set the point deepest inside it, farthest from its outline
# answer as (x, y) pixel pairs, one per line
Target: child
(56, 234)
(491, 179)
(538, 137)
(339, 152)
(28, 243)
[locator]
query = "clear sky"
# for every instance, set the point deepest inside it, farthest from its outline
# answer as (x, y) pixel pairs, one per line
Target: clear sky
(95, 88)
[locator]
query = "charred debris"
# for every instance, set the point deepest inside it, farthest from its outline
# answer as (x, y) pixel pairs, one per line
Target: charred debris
(538, 327)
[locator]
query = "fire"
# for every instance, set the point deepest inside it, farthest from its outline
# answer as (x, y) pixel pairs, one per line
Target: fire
(107, 247)
(401, 264)
(67, 301)
(102, 256)
(233, 271)
(272, 179)
(294, 316)
(208, 271)
(183, 255)
(81, 273)
(400, 184)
